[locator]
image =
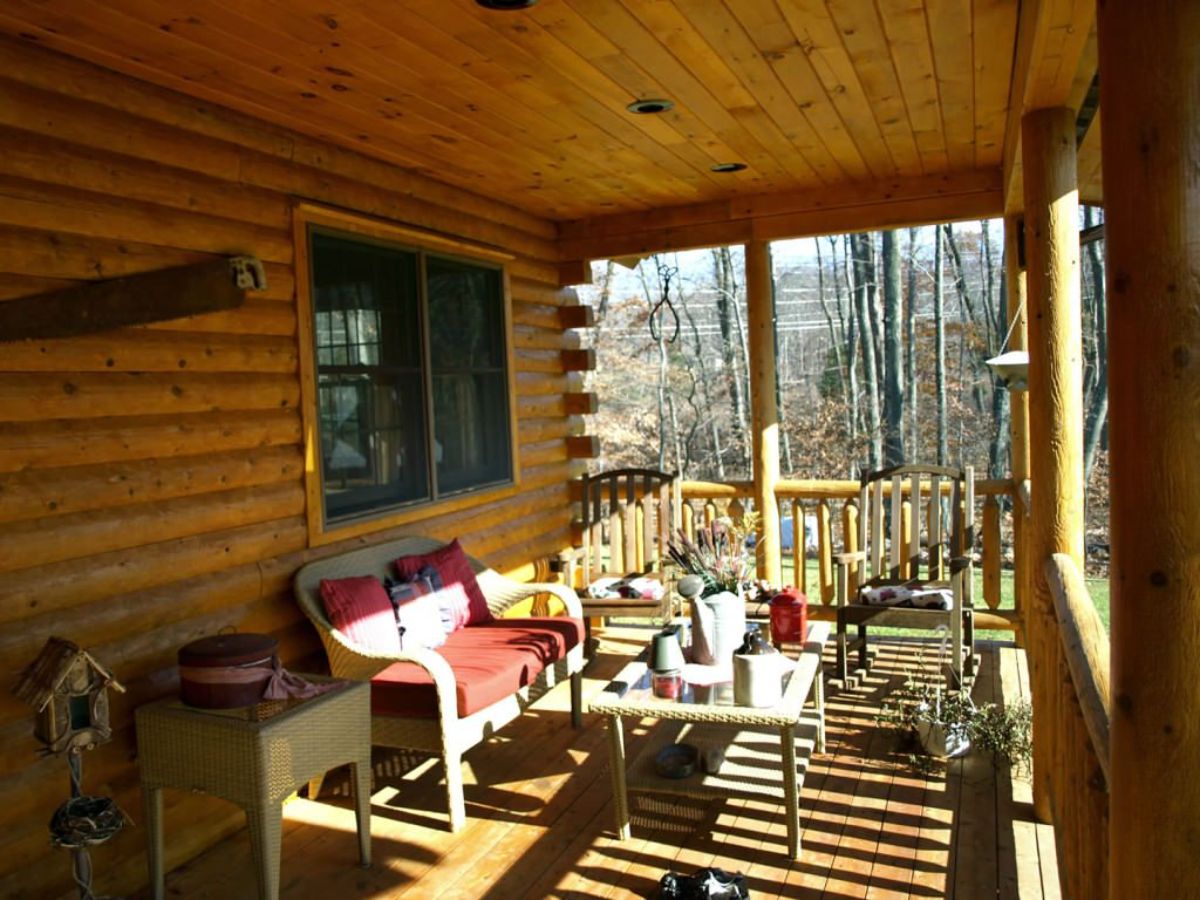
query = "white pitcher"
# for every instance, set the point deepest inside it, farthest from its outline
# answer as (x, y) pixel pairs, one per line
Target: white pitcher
(718, 624)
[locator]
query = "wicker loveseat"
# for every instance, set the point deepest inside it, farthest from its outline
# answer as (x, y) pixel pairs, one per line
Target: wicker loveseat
(441, 729)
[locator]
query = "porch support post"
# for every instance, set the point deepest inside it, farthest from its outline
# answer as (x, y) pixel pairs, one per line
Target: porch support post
(1055, 409)
(1150, 73)
(760, 298)
(1018, 317)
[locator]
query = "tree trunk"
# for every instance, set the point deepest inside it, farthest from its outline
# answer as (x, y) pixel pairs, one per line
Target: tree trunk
(939, 341)
(998, 449)
(835, 338)
(860, 244)
(784, 441)
(893, 375)
(1096, 400)
(851, 350)
(910, 349)
(710, 409)
(726, 301)
(605, 291)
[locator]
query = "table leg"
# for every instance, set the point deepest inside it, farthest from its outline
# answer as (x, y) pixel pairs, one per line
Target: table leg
(152, 798)
(791, 795)
(361, 772)
(266, 835)
(616, 743)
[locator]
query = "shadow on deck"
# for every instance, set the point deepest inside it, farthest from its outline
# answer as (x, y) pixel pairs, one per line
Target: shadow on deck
(540, 817)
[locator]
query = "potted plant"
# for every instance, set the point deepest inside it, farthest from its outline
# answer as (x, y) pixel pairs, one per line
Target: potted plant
(946, 723)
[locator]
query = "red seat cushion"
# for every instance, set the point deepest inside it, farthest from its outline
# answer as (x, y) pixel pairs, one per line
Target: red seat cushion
(451, 564)
(490, 662)
(360, 609)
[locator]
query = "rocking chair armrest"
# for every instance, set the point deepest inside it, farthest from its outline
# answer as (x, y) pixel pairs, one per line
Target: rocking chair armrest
(958, 563)
(846, 559)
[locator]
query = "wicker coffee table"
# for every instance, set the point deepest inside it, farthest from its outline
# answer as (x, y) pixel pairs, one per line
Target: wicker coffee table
(766, 750)
(255, 757)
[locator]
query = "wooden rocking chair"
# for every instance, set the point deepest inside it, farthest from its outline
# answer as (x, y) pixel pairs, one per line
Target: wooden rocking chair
(899, 507)
(627, 519)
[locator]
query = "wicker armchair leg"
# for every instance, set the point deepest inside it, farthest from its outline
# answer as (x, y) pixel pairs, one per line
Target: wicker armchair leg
(266, 835)
(152, 797)
(843, 663)
(454, 791)
(864, 658)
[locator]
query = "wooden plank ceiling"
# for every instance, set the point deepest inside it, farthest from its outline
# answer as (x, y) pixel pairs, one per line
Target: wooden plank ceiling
(529, 106)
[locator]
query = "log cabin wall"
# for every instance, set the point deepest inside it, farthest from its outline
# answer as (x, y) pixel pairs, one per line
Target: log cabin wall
(151, 484)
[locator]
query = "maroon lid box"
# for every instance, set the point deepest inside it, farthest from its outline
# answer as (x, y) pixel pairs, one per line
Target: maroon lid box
(226, 671)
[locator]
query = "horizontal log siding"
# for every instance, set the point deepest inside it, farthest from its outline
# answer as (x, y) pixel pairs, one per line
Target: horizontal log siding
(151, 484)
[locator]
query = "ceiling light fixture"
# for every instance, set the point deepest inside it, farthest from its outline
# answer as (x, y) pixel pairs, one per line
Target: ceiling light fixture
(729, 167)
(650, 107)
(506, 4)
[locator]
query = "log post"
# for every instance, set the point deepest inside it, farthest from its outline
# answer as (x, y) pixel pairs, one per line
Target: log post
(760, 300)
(1055, 409)
(1018, 317)
(1150, 74)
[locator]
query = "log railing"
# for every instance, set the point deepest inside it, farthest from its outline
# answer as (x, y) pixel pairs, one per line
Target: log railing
(1079, 730)
(834, 506)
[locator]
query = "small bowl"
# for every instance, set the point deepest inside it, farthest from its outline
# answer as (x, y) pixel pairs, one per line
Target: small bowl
(676, 760)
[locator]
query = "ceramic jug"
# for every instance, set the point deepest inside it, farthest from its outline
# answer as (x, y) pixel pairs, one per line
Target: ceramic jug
(718, 625)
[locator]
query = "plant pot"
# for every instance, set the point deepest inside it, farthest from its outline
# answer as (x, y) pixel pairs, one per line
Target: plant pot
(941, 741)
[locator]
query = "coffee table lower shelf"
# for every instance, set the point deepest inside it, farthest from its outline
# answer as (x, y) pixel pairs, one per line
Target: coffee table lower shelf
(754, 767)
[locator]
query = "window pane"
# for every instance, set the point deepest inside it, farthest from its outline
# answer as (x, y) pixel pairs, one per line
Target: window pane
(366, 303)
(470, 414)
(466, 315)
(372, 442)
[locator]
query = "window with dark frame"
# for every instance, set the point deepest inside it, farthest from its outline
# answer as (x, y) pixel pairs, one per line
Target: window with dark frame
(411, 372)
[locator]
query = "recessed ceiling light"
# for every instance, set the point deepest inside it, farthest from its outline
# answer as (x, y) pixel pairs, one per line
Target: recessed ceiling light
(729, 167)
(650, 107)
(506, 4)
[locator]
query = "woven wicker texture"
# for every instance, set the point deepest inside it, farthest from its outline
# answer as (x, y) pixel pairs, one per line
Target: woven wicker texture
(255, 763)
(449, 735)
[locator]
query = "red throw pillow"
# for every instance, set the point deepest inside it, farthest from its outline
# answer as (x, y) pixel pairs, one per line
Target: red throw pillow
(451, 564)
(360, 609)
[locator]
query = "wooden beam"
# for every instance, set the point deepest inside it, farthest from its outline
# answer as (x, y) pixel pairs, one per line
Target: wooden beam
(1149, 75)
(132, 300)
(760, 302)
(578, 360)
(889, 203)
(581, 403)
(576, 316)
(574, 271)
(1052, 59)
(1055, 406)
(585, 446)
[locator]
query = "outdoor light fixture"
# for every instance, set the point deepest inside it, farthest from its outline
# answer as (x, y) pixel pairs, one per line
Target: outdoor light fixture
(506, 4)
(729, 167)
(650, 107)
(1012, 368)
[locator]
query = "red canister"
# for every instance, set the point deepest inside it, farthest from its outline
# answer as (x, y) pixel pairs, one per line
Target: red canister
(226, 671)
(789, 616)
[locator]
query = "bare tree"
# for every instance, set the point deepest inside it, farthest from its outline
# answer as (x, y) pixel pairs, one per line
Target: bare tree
(860, 247)
(726, 291)
(1096, 383)
(939, 341)
(893, 375)
(910, 347)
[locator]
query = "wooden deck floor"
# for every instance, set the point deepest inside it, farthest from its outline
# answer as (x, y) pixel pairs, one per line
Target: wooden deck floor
(540, 817)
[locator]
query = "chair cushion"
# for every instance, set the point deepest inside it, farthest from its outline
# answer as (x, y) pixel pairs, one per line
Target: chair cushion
(451, 564)
(360, 609)
(490, 661)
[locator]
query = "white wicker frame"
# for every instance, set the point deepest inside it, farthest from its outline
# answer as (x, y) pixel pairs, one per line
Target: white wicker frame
(449, 735)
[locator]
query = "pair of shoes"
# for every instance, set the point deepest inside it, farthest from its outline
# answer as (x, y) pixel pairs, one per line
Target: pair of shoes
(707, 884)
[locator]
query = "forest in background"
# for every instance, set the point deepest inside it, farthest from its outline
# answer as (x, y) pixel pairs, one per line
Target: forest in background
(881, 337)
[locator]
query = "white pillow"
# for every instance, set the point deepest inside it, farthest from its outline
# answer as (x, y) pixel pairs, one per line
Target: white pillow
(419, 622)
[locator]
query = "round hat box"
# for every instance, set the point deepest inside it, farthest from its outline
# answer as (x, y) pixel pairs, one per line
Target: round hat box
(226, 671)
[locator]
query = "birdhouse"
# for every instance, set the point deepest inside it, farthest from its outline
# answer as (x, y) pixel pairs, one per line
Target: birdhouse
(69, 691)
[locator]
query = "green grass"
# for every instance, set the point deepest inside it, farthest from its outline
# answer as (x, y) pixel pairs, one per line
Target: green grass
(1097, 588)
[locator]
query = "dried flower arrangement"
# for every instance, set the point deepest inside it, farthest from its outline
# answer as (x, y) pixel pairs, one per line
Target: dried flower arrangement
(718, 554)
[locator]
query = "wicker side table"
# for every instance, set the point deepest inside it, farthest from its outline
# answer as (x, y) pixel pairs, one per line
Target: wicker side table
(254, 758)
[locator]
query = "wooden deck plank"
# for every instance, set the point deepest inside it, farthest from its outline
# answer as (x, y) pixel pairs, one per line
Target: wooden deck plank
(540, 817)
